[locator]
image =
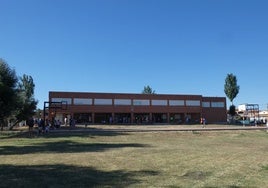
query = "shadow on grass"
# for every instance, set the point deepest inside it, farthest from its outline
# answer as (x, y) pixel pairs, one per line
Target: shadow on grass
(63, 133)
(67, 176)
(83, 133)
(63, 147)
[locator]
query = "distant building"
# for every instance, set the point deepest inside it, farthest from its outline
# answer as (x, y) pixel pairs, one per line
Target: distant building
(249, 111)
(242, 107)
(122, 108)
(263, 115)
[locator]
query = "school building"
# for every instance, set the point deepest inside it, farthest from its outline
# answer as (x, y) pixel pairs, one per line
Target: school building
(126, 108)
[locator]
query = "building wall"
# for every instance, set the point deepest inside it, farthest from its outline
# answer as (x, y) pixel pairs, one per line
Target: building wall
(213, 112)
(187, 106)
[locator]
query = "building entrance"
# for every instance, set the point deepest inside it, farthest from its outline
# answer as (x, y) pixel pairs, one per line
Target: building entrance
(142, 118)
(82, 117)
(160, 118)
(176, 118)
(122, 118)
(102, 118)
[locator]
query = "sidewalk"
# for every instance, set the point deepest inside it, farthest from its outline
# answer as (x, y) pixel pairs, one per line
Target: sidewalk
(156, 128)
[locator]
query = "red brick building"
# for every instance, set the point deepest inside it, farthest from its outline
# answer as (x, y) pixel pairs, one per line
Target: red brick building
(122, 108)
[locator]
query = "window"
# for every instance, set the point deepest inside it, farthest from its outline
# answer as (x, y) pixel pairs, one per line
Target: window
(103, 101)
(122, 102)
(68, 100)
(137, 102)
(206, 104)
(159, 102)
(79, 101)
(176, 102)
(192, 103)
(217, 104)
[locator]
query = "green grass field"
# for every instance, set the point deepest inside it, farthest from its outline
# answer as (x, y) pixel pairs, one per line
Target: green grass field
(145, 159)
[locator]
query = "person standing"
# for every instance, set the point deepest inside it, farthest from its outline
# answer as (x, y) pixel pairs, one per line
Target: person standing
(204, 122)
(65, 121)
(30, 123)
(73, 123)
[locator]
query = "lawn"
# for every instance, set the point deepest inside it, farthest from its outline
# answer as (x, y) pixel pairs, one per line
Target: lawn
(129, 159)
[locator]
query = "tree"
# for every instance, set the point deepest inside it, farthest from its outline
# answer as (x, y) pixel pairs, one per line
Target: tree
(26, 105)
(38, 113)
(8, 91)
(231, 88)
(148, 90)
(232, 111)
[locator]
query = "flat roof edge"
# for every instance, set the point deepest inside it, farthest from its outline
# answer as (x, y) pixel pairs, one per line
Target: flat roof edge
(109, 93)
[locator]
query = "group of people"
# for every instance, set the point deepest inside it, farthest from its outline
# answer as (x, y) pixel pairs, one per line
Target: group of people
(43, 125)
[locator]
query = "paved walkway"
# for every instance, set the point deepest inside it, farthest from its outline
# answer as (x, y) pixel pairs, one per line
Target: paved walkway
(156, 128)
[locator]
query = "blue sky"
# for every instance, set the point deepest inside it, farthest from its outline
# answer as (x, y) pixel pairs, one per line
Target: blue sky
(174, 46)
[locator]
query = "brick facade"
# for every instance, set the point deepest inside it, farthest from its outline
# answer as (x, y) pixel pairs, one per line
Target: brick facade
(138, 108)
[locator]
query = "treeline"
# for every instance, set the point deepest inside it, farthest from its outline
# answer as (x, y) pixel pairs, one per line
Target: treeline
(17, 102)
